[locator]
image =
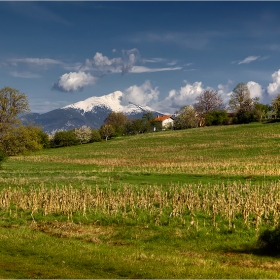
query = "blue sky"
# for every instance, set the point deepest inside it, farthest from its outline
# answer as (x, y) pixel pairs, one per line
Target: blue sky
(161, 54)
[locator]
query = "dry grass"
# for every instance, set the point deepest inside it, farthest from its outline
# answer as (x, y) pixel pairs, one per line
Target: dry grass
(255, 205)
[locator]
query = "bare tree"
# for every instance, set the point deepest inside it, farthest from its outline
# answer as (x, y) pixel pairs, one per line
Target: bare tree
(209, 100)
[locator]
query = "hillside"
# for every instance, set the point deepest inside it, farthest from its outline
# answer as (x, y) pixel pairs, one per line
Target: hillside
(172, 204)
(235, 151)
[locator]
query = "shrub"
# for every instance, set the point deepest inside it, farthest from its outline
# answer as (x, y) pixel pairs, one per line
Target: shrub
(64, 139)
(22, 139)
(95, 136)
(218, 117)
(269, 241)
(2, 158)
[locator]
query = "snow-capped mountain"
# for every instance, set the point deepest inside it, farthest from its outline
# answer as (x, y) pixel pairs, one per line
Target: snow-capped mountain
(112, 101)
(91, 112)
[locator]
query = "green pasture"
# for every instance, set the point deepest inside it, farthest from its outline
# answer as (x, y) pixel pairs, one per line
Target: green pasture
(154, 241)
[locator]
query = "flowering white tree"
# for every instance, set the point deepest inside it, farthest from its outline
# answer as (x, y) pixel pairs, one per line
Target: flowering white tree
(83, 134)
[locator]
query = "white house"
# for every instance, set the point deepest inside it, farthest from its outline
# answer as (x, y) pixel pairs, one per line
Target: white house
(163, 122)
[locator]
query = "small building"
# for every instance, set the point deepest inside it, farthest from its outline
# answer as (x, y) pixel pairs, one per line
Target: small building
(163, 122)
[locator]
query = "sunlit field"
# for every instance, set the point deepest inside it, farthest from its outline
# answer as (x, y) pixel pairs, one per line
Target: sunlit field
(171, 204)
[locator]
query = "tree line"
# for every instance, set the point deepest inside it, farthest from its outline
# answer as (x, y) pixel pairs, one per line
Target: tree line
(208, 109)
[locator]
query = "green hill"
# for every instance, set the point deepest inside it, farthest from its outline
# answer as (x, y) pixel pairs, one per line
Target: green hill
(172, 204)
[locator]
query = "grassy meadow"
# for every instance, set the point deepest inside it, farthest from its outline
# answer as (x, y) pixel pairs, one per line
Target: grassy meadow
(171, 204)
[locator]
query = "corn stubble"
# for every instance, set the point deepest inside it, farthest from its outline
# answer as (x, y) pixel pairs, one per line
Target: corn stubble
(189, 205)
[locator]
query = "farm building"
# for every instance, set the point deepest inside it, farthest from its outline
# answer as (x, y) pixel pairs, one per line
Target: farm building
(163, 122)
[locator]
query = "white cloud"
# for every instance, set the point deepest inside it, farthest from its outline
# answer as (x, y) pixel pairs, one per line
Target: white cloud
(173, 62)
(274, 88)
(74, 81)
(255, 89)
(141, 95)
(248, 59)
(224, 91)
(36, 61)
(103, 65)
(155, 60)
(186, 95)
(142, 69)
(176, 99)
(26, 75)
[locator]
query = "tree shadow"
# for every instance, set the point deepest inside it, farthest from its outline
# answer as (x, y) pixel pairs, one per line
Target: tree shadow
(254, 250)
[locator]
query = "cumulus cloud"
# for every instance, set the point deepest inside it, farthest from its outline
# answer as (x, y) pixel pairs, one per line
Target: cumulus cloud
(186, 95)
(103, 65)
(255, 89)
(74, 81)
(177, 98)
(274, 88)
(141, 95)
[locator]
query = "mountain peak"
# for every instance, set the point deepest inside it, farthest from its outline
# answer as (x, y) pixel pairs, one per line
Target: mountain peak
(112, 101)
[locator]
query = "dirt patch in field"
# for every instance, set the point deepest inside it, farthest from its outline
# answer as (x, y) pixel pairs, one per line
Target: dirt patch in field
(89, 233)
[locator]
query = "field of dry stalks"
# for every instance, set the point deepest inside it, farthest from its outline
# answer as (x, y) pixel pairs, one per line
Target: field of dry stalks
(173, 204)
(94, 178)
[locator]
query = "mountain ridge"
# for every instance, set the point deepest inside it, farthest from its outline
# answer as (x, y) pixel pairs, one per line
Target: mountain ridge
(91, 112)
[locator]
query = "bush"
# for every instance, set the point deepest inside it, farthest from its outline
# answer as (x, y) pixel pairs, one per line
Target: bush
(2, 158)
(217, 117)
(95, 136)
(64, 139)
(23, 139)
(269, 241)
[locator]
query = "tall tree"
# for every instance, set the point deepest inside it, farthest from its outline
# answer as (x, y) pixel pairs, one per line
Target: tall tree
(12, 104)
(118, 121)
(148, 121)
(209, 100)
(186, 117)
(240, 99)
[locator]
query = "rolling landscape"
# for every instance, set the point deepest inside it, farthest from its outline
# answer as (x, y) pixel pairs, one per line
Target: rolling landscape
(140, 140)
(172, 204)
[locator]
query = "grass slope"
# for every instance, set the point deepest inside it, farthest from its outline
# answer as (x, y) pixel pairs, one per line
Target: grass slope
(96, 245)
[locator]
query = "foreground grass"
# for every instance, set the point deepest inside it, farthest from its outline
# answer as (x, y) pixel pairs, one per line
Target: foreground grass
(188, 244)
(73, 251)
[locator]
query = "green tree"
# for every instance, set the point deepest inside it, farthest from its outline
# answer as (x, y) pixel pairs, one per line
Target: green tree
(95, 136)
(23, 139)
(276, 105)
(65, 139)
(186, 118)
(261, 111)
(148, 121)
(118, 121)
(12, 104)
(217, 117)
(135, 126)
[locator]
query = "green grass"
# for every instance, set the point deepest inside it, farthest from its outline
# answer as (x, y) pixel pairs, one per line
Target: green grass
(106, 246)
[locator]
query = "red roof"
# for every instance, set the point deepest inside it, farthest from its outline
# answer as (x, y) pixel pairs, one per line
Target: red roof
(162, 118)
